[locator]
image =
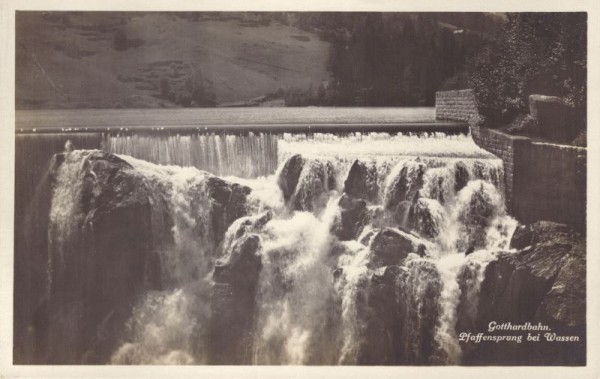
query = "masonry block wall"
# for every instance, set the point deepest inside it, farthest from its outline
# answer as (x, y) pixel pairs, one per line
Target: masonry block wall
(550, 184)
(543, 181)
(455, 105)
(505, 147)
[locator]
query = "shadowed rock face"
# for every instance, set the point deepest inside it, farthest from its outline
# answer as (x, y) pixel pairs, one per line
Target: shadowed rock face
(305, 183)
(362, 182)
(399, 323)
(290, 173)
(233, 302)
(354, 215)
(543, 282)
(405, 187)
(109, 259)
(391, 247)
(461, 176)
(105, 265)
(229, 204)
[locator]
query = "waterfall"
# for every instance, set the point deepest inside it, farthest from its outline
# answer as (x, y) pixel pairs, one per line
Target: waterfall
(316, 249)
(248, 155)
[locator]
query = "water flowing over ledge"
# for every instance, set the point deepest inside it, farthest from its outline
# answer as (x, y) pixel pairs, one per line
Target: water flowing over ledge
(366, 249)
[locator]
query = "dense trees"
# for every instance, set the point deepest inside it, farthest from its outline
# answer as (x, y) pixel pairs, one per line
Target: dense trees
(541, 53)
(392, 59)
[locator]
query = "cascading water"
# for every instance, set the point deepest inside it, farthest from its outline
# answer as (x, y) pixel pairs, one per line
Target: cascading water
(251, 155)
(361, 249)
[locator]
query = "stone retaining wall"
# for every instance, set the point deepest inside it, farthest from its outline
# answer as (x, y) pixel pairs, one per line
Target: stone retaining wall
(550, 184)
(455, 105)
(506, 147)
(543, 181)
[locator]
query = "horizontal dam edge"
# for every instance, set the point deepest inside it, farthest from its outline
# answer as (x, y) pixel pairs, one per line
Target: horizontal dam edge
(405, 127)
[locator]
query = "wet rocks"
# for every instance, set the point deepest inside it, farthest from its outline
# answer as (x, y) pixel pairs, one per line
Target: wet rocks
(530, 234)
(426, 216)
(543, 282)
(400, 313)
(382, 314)
(305, 183)
(479, 209)
(228, 204)
(403, 190)
(405, 186)
(235, 279)
(100, 271)
(106, 254)
(391, 246)
(289, 175)
(240, 266)
(353, 217)
(362, 182)
(461, 176)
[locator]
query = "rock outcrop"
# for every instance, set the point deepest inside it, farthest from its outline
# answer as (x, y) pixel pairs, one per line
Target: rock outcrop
(353, 217)
(544, 281)
(362, 182)
(557, 121)
(104, 255)
(289, 175)
(232, 302)
(390, 247)
(228, 204)
(305, 183)
(98, 272)
(400, 313)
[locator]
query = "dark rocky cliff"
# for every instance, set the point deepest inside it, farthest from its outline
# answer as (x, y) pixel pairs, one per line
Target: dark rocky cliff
(544, 282)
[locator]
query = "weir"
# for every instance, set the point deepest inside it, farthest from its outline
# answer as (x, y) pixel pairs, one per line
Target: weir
(232, 141)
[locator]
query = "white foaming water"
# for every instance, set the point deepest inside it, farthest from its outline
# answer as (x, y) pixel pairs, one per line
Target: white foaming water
(167, 324)
(65, 213)
(161, 326)
(355, 274)
(265, 194)
(295, 290)
(312, 286)
(381, 144)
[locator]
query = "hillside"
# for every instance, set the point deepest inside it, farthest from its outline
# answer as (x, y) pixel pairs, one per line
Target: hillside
(136, 60)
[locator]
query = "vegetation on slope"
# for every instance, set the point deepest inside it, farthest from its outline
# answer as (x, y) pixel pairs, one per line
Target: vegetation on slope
(536, 53)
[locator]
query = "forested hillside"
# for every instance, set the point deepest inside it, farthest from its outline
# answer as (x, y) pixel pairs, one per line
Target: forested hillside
(157, 59)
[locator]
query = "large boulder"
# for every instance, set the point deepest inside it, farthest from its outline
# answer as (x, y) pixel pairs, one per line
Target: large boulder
(556, 119)
(538, 232)
(403, 190)
(305, 183)
(383, 314)
(544, 282)
(227, 205)
(426, 217)
(354, 215)
(232, 303)
(362, 182)
(400, 315)
(391, 246)
(103, 263)
(289, 175)
(461, 176)
(235, 278)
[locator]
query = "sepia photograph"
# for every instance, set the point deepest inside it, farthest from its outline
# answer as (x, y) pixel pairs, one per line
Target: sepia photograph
(299, 188)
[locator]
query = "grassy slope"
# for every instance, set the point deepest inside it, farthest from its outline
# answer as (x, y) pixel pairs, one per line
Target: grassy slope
(78, 67)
